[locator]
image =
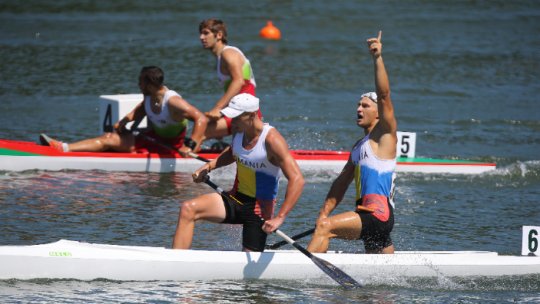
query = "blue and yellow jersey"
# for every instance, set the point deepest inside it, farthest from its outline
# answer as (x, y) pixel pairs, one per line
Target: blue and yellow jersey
(256, 176)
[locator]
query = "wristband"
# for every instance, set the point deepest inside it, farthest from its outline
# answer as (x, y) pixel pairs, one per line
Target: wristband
(191, 144)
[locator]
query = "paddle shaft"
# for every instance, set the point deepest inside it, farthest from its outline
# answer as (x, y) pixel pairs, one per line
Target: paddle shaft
(332, 271)
(294, 238)
(293, 242)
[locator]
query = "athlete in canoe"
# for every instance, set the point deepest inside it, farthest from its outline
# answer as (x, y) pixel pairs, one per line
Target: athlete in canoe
(371, 165)
(167, 113)
(261, 155)
(233, 70)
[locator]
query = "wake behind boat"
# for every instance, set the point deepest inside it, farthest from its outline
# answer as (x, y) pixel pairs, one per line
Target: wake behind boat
(67, 259)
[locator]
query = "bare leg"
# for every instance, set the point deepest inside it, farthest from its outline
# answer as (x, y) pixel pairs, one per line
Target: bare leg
(108, 141)
(385, 250)
(205, 207)
(388, 250)
(344, 226)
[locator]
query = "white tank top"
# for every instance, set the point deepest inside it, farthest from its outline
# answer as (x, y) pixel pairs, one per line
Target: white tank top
(247, 72)
(372, 175)
(256, 176)
(162, 123)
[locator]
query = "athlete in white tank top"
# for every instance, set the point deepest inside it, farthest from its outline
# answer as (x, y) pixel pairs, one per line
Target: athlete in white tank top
(162, 123)
(256, 176)
(371, 165)
(261, 154)
(372, 175)
(247, 72)
(233, 70)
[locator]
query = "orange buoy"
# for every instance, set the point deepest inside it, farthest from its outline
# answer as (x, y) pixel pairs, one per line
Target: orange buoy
(270, 31)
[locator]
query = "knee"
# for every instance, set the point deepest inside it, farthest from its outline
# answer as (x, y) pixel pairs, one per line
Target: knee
(388, 250)
(188, 210)
(105, 139)
(323, 226)
(107, 136)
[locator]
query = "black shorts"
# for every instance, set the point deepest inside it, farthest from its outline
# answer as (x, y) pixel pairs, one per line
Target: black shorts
(253, 237)
(376, 233)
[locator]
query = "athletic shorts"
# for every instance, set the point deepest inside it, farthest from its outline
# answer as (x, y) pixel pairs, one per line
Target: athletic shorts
(253, 237)
(376, 233)
(143, 144)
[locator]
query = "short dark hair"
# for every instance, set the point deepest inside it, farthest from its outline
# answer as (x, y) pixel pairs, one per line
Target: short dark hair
(153, 75)
(215, 26)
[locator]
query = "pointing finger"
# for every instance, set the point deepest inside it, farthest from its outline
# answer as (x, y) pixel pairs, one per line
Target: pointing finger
(380, 35)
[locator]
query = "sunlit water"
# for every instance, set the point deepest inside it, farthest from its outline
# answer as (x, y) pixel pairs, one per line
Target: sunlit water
(464, 77)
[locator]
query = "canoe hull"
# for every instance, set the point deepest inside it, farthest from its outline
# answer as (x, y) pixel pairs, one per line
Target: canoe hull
(84, 261)
(22, 156)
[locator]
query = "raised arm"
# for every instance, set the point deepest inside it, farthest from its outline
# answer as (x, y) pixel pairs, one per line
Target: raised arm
(387, 125)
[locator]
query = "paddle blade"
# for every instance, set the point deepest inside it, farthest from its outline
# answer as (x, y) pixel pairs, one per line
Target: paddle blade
(335, 273)
(332, 271)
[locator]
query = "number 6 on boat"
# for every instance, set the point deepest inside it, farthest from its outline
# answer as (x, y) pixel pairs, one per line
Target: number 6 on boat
(530, 241)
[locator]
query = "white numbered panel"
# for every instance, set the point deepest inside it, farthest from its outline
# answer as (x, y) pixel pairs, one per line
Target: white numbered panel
(406, 146)
(113, 107)
(530, 240)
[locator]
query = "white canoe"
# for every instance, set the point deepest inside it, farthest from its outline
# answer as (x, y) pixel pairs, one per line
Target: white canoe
(67, 259)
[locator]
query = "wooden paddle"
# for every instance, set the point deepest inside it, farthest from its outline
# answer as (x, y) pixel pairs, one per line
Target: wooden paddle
(332, 271)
